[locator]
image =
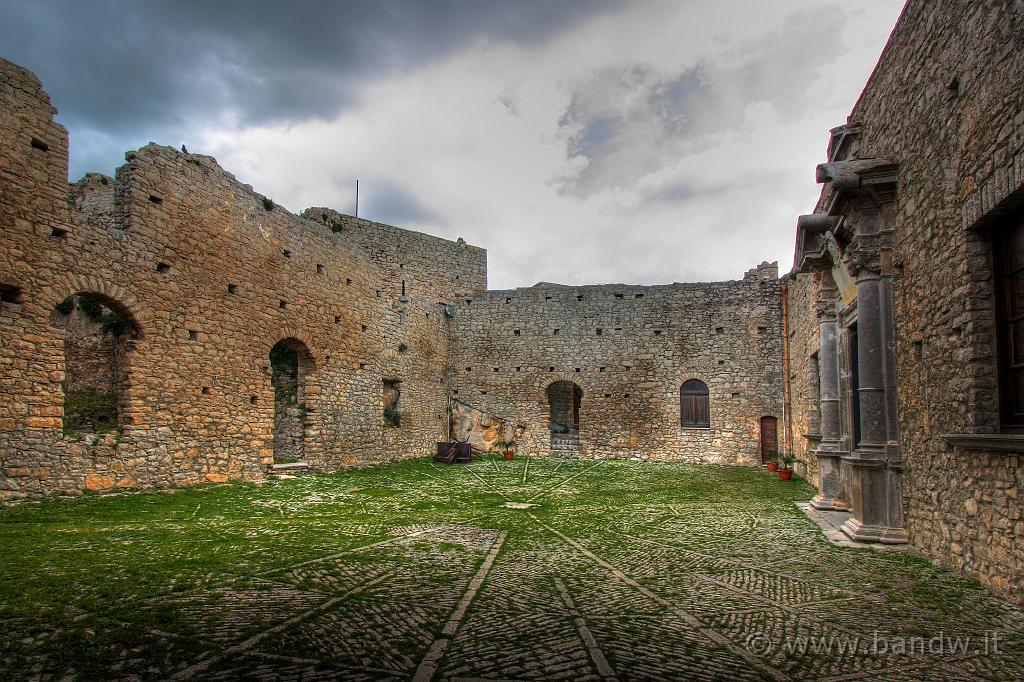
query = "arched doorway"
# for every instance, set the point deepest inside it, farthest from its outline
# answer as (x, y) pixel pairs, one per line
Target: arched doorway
(290, 366)
(98, 336)
(564, 400)
(769, 439)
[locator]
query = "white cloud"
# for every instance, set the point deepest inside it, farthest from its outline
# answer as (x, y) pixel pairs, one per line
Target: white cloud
(700, 182)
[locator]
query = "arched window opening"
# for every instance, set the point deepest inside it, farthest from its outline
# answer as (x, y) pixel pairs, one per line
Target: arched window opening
(290, 365)
(392, 403)
(694, 405)
(98, 332)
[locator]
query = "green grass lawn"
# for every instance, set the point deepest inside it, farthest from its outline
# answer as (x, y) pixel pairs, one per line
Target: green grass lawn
(624, 569)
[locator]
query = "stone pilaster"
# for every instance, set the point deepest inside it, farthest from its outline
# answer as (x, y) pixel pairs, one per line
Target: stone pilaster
(829, 452)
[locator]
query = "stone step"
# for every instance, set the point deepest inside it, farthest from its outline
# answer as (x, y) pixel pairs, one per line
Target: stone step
(287, 469)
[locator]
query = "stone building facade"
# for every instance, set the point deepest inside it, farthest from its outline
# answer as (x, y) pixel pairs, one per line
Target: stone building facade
(626, 351)
(888, 361)
(209, 276)
(901, 303)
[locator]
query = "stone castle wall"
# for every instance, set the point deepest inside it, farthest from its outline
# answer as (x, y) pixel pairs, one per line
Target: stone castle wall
(946, 103)
(211, 276)
(629, 348)
(802, 347)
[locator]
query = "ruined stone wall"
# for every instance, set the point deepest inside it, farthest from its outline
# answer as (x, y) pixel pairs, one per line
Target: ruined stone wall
(417, 274)
(802, 333)
(946, 103)
(211, 275)
(629, 348)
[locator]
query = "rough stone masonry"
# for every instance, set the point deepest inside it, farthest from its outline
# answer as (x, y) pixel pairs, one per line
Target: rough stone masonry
(881, 361)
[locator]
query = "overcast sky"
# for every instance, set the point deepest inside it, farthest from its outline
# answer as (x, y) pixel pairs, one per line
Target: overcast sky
(578, 141)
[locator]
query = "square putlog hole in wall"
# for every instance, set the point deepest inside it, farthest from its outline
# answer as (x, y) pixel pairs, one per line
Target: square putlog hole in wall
(320, 269)
(719, 330)
(232, 288)
(163, 268)
(193, 335)
(10, 294)
(36, 143)
(282, 304)
(59, 233)
(156, 199)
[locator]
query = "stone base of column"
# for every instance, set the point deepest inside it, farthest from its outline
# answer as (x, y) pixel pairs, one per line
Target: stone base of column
(822, 503)
(860, 532)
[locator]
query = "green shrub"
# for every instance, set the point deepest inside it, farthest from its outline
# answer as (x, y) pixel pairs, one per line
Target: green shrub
(268, 204)
(392, 417)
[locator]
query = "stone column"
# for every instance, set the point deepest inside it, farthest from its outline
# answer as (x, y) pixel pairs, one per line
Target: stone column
(829, 495)
(871, 479)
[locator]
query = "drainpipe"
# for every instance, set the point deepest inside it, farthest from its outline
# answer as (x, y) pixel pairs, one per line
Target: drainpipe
(787, 420)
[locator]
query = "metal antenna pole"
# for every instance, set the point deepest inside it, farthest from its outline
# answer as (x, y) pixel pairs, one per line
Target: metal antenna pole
(357, 198)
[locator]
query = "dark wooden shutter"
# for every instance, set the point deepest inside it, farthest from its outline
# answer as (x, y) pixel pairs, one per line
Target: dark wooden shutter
(694, 409)
(1008, 258)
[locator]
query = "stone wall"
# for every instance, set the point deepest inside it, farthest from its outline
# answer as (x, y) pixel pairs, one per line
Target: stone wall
(211, 275)
(802, 347)
(946, 103)
(629, 348)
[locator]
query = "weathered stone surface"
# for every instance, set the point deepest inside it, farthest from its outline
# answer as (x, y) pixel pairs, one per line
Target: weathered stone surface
(946, 106)
(630, 349)
(211, 277)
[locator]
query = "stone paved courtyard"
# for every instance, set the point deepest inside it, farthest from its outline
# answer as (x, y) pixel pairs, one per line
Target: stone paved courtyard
(618, 571)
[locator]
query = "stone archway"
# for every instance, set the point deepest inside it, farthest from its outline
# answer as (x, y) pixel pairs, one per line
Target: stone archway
(98, 334)
(564, 401)
(291, 364)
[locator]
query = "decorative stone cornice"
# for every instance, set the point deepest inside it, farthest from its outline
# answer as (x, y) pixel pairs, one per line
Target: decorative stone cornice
(856, 174)
(862, 182)
(812, 252)
(841, 138)
(864, 255)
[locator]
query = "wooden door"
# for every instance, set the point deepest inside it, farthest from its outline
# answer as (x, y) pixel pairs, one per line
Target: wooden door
(769, 439)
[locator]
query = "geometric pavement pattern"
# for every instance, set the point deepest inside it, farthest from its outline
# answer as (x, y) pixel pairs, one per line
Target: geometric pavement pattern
(606, 570)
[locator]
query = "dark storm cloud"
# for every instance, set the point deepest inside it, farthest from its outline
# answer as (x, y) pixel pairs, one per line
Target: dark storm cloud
(119, 68)
(388, 203)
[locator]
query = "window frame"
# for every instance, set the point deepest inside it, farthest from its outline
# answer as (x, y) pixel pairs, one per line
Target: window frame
(1002, 274)
(694, 396)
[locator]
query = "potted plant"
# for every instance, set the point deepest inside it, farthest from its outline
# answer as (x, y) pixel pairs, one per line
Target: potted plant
(771, 464)
(785, 472)
(508, 448)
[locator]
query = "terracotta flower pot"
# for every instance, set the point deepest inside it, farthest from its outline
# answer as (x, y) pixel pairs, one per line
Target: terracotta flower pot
(773, 466)
(785, 474)
(508, 455)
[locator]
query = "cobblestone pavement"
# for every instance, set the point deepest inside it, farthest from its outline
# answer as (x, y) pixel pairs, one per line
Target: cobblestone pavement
(604, 570)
